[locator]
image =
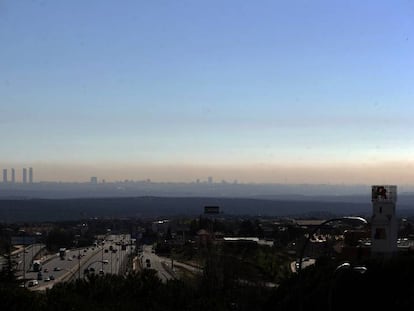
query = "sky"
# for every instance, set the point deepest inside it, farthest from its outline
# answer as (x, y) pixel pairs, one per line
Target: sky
(259, 91)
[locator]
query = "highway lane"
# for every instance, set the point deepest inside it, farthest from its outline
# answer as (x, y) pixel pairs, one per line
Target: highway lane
(155, 262)
(26, 258)
(171, 269)
(115, 258)
(181, 265)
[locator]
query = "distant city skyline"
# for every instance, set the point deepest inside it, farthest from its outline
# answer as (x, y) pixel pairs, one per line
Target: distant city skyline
(291, 92)
(13, 175)
(396, 173)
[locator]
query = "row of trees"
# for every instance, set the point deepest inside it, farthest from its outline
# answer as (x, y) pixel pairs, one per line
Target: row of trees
(385, 285)
(138, 291)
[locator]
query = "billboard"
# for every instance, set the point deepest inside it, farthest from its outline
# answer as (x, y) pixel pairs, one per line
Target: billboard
(384, 193)
(211, 210)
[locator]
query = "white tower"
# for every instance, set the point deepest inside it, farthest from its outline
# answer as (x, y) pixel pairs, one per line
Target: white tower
(384, 221)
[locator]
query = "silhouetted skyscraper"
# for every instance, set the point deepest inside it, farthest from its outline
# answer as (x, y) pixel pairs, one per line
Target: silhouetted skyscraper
(24, 175)
(94, 180)
(31, 175)
(13, 176)
(5, 175)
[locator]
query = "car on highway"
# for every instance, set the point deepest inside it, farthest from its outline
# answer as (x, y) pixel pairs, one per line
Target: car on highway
(47, 279)
(51, 277)
(101, 272)
(57, 269)
(39, 276)
(45, 270)
(32, 283)
(70, 259)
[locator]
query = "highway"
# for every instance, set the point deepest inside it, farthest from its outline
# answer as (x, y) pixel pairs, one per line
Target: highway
(59, 269)
(108, 258)
(90, 257)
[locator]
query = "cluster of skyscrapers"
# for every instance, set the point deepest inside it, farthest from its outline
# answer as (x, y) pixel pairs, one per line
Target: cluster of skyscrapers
(13, 176)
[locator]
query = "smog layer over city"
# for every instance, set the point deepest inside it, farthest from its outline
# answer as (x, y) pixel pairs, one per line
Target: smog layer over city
(206, 155)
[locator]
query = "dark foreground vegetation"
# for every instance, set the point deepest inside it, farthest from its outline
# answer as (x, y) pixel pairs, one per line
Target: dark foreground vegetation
(385, 285)
(140, 291)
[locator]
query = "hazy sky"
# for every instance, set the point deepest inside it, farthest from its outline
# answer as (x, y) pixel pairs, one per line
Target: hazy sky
(312, 91)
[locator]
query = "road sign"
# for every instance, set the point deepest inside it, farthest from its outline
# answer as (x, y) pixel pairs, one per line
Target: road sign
(384, 193)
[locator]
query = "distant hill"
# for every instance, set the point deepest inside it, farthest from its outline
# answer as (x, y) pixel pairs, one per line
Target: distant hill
(151, 207)
(128, 189)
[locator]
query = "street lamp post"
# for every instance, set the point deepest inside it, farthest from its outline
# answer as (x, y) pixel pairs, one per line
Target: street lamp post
(24, 257)
(79, 265)
(340, 270)
(302, 252)
(118, 256)
(102, 254)
(111, 261)
(117, 259)
(79, 254)
(7, 232)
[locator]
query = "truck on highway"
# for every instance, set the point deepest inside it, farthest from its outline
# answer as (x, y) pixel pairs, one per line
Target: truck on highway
(62, 253)
(37, 265)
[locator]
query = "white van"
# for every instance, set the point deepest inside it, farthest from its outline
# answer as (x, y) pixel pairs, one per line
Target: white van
(32, 283)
